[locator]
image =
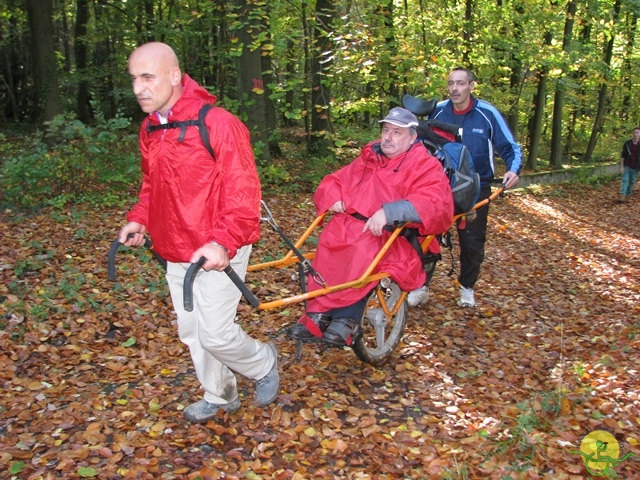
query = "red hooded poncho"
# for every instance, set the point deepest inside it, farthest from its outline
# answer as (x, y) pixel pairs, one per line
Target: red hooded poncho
(187, 198)
(371, 180)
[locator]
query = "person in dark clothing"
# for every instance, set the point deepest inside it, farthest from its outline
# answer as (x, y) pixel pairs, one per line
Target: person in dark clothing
(483, 131)
(629, 164)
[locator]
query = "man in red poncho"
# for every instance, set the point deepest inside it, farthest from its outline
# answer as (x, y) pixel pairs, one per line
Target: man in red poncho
(393, 180)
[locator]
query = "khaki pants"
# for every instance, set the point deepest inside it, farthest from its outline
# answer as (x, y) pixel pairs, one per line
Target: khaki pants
(217, 344)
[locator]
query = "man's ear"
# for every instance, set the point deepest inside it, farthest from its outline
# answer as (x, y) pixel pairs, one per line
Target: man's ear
(176, 76)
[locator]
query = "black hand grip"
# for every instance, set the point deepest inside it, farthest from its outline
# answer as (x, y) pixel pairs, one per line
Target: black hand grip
(190, 277)
(111, 258)
(187, 288)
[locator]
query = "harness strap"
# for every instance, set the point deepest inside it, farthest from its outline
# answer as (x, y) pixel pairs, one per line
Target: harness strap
(183, 124)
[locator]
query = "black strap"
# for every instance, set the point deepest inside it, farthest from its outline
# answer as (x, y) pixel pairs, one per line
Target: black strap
(445, 242)
(411, 235)
(183, 124)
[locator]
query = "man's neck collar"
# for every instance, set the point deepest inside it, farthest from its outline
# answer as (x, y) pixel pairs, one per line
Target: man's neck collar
(464, 110)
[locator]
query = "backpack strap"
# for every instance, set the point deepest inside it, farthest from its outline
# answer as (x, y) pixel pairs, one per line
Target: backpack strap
(204, 131)
(183, 124)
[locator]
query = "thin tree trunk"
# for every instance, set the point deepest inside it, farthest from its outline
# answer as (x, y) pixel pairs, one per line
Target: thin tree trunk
(602, 97)
(535, 132)
(44, 58)
(320, 67)
(578, 76)
(387, 14)
(515, 79)
(250, 83)
(632, 22)
(8, 81)
(307, 68)
(555, 159)
(80, 43)
(270, 109)
(466, 32)
(66, 35)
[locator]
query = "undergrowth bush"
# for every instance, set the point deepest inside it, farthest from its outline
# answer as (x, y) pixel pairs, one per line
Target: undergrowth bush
(71, 162)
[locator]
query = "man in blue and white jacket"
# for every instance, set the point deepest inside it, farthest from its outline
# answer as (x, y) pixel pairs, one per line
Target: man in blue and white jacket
(483, 131)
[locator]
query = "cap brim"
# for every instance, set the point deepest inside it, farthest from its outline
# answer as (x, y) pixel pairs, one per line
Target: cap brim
(403, 125)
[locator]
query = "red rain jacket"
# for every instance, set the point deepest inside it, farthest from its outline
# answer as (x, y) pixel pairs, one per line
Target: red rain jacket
(344, 252)
(187, 198)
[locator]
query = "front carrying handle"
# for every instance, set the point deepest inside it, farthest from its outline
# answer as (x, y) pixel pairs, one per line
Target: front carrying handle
(115, 245)
(190, 277)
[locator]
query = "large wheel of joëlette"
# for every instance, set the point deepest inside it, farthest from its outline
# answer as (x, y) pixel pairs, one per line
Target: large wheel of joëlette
(381, 332)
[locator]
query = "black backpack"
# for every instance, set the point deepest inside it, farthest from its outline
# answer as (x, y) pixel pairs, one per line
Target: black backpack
(458, 165)
(454, 157)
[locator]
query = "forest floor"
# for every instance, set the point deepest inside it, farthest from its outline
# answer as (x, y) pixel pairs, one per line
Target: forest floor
(94, 378)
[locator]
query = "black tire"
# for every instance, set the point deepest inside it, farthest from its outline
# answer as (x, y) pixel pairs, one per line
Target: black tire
(380, 334)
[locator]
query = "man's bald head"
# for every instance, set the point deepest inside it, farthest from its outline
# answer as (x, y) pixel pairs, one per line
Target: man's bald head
(158, 52)
(156, 77)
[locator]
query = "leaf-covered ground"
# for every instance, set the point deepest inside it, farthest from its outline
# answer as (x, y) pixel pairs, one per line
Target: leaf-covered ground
(94, 378)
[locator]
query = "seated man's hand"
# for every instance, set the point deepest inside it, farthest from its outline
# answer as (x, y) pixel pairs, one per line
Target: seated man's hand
(376, 223)
(338, 207)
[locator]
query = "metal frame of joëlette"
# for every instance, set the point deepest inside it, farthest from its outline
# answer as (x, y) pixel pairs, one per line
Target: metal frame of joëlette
(292, 258)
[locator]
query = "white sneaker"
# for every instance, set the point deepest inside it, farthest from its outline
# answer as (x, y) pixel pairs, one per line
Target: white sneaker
(418, 297)
(467, 297)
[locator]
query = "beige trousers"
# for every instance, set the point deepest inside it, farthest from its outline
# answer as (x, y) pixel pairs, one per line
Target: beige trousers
(218, 345)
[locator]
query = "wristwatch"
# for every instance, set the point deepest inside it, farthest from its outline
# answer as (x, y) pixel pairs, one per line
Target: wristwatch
(220, 245)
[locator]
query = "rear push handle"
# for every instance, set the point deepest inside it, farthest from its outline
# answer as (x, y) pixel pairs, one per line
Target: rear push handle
(190, 277)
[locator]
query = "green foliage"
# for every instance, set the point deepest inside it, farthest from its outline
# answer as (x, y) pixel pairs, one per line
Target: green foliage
(84, 163)
(273, 176)
(519, 437)
(379, 51)
(587, 178)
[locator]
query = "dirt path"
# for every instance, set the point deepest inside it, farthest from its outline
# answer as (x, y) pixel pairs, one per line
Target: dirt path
(94, 378)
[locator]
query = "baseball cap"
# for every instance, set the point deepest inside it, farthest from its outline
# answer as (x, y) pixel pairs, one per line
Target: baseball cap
(400, 117)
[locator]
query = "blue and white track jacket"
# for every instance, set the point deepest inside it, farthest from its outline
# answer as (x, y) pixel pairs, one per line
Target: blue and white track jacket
(483, 129)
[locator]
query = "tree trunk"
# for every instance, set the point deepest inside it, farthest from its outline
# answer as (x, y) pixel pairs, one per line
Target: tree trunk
(630, 35)
(535, 131)
(386, 67)
(577, 77)
(307, 70)
(555, 159)
(466, 32)
(515, 79)
(66, 35)
(149, 21)
(602, 97)
(251, 89)
(271, 123)
(82, 16)
(322, 60)
(44, 58)
(290, 72)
